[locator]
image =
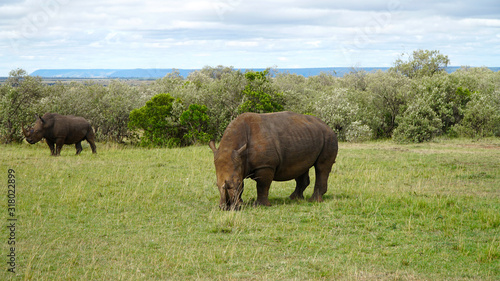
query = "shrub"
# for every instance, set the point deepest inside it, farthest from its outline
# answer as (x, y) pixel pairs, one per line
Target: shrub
(338, 109)
(387, 96)
(444, 95)
(260, 95)
(195, 122)
(357, 132)
(114, 108)
(482, 116)
(19, 97)
(464, 103)
(421, 63)
(156, 120)
(222, 96)
(418, 123)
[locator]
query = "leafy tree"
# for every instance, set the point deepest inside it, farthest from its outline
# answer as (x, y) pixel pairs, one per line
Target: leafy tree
(295, 92)
(19, 97)
(355, 79)
(114, 109)
(357, 132)
(168, 84)
(338, 109)
(387, 96)
(195, 122)
(444, 96)
(418, 123)
(259, 94)
(222, 96)
(482, 116)
(157, 122)
(216, 73)
(421, 63)
(358, 106)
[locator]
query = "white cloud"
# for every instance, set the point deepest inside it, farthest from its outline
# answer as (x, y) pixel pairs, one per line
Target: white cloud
(243, 44)
(195, 33)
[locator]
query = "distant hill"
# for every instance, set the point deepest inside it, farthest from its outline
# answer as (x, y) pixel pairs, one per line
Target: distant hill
(107, 73)
(155, 73)
(159, 73)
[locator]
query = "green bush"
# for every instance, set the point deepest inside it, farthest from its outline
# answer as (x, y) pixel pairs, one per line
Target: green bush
(157, 122)
(444, 95)
(19, 98)
(338, 109)
(221, 91)
(414, 101)
(387, 95)
(259, 94)
(418, 123)
(421, 63)
(357, 132)
(195, 122)
(481, 117)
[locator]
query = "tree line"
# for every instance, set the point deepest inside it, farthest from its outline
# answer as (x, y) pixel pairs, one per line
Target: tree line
(415, 101)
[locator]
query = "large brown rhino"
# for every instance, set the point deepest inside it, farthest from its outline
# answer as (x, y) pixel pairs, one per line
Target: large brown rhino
(273, 146)
(60, 130)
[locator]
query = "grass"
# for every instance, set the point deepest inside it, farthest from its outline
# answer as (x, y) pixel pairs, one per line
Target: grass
(392, 212)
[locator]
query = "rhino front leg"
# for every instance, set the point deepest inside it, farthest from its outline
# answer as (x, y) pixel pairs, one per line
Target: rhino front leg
(263, 177)
(51, 146)
(59, 145)
(78, 147)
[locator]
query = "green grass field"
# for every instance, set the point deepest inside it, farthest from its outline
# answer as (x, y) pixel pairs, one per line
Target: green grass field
(392, 212)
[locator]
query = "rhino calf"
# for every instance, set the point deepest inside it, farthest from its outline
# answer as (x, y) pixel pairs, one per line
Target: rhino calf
(60, 130)
(273, 146)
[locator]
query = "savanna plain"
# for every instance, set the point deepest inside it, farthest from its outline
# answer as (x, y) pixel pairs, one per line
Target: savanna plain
(392, 212)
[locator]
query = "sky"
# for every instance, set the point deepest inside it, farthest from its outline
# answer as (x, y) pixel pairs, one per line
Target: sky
(192, 34)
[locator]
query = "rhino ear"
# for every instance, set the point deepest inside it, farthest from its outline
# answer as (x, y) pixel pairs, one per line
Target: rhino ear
(39, 117)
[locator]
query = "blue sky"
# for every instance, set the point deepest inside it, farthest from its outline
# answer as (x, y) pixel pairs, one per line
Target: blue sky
(53, 34)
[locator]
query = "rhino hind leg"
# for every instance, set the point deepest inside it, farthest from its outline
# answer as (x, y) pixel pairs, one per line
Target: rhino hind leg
(323, 167)
(302, 183)
(320, 187)
(92, 145)
(78, 147)
(91, 140)
(322, 170)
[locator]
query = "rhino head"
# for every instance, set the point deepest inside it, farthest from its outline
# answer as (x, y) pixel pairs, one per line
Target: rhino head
(35, 134)
(229, 168)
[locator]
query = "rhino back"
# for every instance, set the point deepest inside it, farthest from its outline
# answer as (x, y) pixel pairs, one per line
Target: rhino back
(72, 129)
(288, 142)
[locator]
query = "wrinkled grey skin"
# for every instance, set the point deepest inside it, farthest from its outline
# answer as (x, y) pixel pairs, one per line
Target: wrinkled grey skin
(273, 147)
(59, 130)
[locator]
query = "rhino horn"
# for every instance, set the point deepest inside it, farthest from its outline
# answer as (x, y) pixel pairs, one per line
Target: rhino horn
(212, 146)
(238, 153)
(25, 132)
(242, 149)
